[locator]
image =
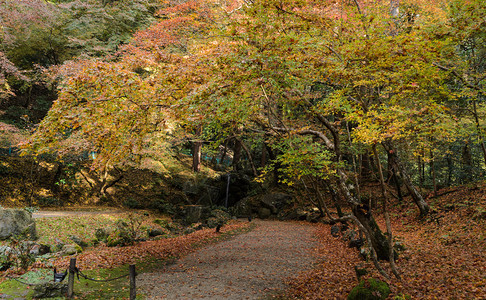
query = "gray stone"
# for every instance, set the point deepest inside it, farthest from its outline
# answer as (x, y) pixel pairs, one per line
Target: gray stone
(15, 222)
(296, 214)
(40, 249)
(5, 261)
(365, 253)
(335, 230)
(5, 250)
(50, 290)
(313, 217)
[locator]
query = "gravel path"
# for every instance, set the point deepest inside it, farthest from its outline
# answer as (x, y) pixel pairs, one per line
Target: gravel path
(248, 266)
(74, 213)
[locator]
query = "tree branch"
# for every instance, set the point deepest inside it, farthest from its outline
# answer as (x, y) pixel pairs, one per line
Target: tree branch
(319, 134)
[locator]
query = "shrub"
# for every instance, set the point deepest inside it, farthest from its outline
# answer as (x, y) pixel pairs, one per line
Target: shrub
(218, 217)
(6, 259)
(48, 201)
(127, 231)
(31, 209)
(371, 289)
(20, 252)
(101, 234)
(163, 207)
(132, 203)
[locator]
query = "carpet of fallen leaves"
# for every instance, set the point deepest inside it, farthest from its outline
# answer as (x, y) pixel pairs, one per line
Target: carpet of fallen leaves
(445, 255)
(111, 257)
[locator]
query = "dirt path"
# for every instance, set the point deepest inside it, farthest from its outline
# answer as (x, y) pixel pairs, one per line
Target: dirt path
(249, 266)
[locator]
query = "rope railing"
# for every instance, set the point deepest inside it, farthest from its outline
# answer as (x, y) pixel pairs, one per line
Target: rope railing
(79, 273)
(20, 281)
(75, 271)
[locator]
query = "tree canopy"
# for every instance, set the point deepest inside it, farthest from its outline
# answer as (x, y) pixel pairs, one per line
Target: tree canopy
(322, 84)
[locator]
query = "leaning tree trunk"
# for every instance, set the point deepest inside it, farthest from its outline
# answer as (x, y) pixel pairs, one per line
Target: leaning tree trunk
(416, 196)
(378, 239)
(363, 214)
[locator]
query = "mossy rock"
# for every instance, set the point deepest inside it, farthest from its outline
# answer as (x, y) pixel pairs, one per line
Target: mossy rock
(71, 249)
(50, 290)
(371, 289)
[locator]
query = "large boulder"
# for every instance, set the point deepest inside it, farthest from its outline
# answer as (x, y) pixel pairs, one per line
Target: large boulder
(293, 214)
(275, 201)
(244, 208)
(16, 222)
(264, 213)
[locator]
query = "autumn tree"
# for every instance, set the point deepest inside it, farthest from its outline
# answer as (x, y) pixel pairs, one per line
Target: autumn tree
(37, 35)
(319, 80)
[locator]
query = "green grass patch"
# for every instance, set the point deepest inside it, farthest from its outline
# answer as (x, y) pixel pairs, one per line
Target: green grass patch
(51, 231)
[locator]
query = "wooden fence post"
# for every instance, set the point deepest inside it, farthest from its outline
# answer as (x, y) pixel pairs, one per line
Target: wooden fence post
(72, 267)
(133, 287)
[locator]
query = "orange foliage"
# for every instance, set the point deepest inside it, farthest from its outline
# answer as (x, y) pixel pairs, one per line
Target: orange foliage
(444, 256)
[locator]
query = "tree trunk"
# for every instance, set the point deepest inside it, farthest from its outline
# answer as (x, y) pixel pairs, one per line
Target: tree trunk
(223, 154)
(237, 155)
(393, 174)
(421, 169)
(449, 170)
(335, 199)
(196, 152)
(263, 160)
(416, 196)
(478, 128)
(276, 172)
(432, 171)
(466, 164)
(248, 154)
(391, 252)
(366, 167)
(378, 239)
